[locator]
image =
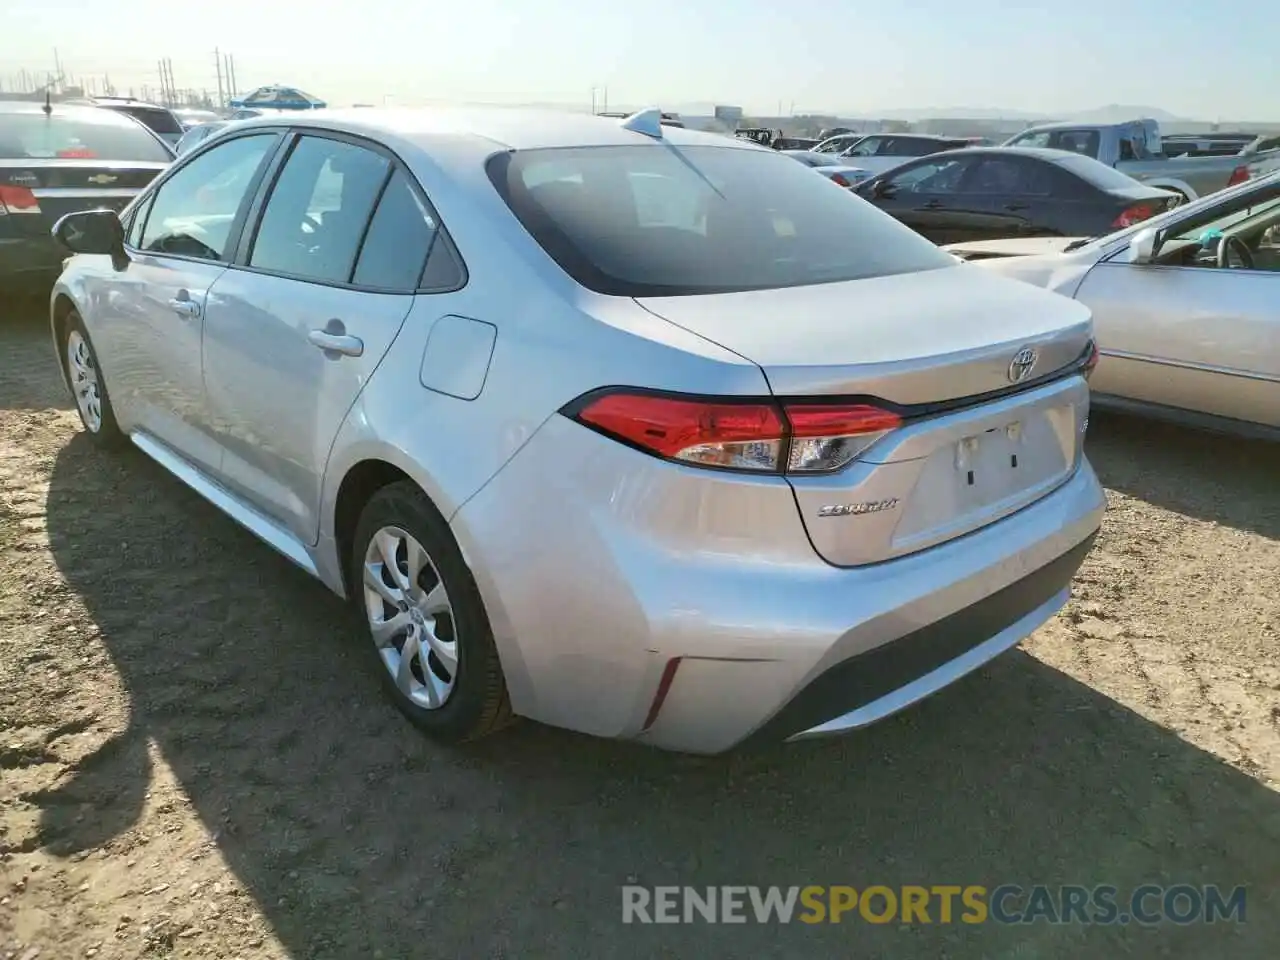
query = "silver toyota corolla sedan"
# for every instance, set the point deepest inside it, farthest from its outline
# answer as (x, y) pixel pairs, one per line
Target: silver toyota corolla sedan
(621, 427)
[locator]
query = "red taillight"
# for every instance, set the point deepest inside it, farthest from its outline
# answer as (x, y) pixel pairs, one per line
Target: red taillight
(18, 199)
(1091, 360)
(756, 435)
(76, 153)
(840, 179)
(1239, 175)
(1135, 214)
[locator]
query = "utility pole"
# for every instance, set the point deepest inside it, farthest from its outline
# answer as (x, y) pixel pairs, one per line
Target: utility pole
(235, 81)
(605, 108)
(593, 101)
(57, 68)
(217, 59)
(231, 92)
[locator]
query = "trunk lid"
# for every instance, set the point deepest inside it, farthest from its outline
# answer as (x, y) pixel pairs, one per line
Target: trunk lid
(37, 192)
(914, 338)
(982, 434)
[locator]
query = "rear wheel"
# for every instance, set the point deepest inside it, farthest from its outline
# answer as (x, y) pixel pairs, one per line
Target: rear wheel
(430, 635)
(88, 386)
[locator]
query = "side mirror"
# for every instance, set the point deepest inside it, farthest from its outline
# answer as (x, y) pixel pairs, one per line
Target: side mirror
(882, 189)
(1142, 247)
(93, 231)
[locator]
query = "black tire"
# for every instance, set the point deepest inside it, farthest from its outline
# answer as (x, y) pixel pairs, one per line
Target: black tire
(478, 704)
(106, 433)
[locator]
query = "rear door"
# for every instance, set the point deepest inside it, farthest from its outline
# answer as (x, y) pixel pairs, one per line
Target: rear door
(323, 284)
(1009, 196)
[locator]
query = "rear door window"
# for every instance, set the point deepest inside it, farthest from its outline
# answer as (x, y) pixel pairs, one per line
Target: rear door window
(1010, 176)
(318, 210)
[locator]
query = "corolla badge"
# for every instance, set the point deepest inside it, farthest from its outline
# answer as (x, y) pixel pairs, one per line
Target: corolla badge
(103, 178)
(1021, 365)
(857, 509)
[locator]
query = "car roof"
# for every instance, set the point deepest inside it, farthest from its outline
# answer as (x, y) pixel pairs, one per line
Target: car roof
(1070, 125)
(1047, 154)
(64, 109)
(941, 138)
(512, 128)
(127, 102)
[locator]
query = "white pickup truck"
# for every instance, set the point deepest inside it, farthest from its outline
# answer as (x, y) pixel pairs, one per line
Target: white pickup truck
(1135, 148)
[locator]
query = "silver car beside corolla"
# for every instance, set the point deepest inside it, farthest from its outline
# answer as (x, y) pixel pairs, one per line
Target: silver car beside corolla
(625, 428)
(1186, 306)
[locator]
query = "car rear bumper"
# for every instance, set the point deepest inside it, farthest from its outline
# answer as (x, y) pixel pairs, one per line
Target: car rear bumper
(635, 598)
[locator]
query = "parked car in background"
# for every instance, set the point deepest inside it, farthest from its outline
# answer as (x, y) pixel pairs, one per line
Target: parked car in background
(790, 144)
(880, 152)
(831, 167)
(161, 120)
(198, 134)
(1187, 307)
(626, 428)
(58, 158)
(838, 142)
(1135, 148)
(190, 117)
(986, 193)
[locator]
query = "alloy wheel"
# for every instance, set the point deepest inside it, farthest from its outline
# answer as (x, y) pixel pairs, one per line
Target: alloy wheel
(410, 617)
(84, 381)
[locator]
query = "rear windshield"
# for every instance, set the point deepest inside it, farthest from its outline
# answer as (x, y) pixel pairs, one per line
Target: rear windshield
(1099, 174)
(651, 220)
(89, 135)
(159, 120)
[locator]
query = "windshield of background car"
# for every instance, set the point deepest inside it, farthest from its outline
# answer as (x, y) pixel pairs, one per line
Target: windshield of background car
(656, 220)
(90, 135)
(1260, 209)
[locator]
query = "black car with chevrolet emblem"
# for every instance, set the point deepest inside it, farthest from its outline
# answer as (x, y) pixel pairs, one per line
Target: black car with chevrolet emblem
(56, 159)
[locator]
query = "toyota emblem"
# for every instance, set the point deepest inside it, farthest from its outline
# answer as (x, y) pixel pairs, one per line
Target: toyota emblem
(1022, 364)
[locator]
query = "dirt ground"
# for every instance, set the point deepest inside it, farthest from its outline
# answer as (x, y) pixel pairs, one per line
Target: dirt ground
(194, 761)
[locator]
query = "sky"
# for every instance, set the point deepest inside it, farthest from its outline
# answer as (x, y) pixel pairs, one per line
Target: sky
(1205, 61)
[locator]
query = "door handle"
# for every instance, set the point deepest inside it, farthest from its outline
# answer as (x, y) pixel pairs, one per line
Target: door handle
(1011, 207)
(335, 342)
(932, 204)
(184, 307)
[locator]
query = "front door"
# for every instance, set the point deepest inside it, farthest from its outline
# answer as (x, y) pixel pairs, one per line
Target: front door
(152, 313)
(1200, 338)
(925, 196)
(293, 335)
